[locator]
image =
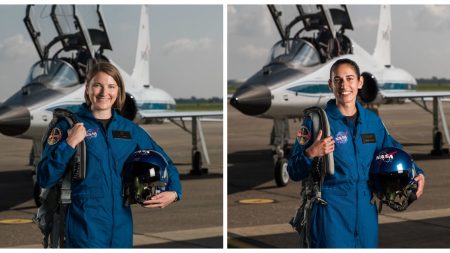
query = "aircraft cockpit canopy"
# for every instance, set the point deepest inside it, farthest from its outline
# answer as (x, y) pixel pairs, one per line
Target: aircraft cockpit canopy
(74, 33)
(72, 27)
(321, 26)
(296, 52)
(53, 73)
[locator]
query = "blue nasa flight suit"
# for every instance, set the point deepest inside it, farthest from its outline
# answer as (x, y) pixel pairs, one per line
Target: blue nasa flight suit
(97, 218)
(350, 219)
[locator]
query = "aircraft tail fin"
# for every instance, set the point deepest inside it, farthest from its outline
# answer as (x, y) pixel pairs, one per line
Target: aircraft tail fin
(382, 52)
(141, 70)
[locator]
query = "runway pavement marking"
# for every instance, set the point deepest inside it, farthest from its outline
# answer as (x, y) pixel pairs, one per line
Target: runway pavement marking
(15, 221)
(179, 235)
(28, 246)
(237, 241)
(256, 201)
(413, 216)
(262, 230)
(163, 237)
(382, 219)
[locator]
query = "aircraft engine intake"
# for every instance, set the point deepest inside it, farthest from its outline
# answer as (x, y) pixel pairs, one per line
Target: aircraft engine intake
(368, 93)
(129, 109)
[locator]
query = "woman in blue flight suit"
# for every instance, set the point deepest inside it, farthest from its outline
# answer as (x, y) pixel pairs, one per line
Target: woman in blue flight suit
(97, 216)
(349, 219)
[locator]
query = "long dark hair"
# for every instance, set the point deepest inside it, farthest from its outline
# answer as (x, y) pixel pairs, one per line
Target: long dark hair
(345, 61)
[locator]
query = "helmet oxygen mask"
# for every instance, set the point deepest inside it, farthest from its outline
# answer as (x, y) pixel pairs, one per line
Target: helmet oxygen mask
(398, 193)
(392, 176)
(144, 176)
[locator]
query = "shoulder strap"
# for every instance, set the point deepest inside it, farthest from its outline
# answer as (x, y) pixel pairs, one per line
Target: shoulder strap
(320, 122)
(79, 171)
(51, 214)
(311, 185)
(78, 162)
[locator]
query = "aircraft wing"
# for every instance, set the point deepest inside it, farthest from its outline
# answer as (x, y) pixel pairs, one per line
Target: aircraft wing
(148, 114)
(413, 94)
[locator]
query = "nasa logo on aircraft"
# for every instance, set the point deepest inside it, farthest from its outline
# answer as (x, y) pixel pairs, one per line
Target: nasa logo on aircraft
(91, 133)
(55, 136)
(386, 157)
(341, 138)
(303, 135)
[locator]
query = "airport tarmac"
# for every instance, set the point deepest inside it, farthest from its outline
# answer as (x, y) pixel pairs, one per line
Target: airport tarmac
(194, 222)
(426, 223)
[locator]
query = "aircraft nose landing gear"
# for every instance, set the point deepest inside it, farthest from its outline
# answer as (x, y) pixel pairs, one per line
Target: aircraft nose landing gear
(281, 172)
(281, 163)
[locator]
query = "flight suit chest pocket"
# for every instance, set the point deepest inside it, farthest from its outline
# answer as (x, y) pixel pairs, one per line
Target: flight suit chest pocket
(122, 140)
(366, 149)
(94, 142)
(121, 134)
(122, 144)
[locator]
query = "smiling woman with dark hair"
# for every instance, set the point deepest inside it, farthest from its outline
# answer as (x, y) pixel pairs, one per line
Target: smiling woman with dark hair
(344, 215)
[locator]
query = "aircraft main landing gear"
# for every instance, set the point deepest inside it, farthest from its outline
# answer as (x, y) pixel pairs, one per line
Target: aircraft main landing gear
(437, 145)
(197, 164)
(197, 155)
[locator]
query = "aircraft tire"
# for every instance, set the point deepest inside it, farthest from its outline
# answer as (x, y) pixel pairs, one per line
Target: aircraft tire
(197, 162)
(281, 173)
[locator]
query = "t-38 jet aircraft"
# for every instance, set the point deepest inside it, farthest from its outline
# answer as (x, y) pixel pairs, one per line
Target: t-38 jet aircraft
(68, 38)
(296, 75)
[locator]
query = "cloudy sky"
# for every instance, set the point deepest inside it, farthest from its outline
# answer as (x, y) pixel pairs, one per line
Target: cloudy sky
(420, 37)
(186, 57)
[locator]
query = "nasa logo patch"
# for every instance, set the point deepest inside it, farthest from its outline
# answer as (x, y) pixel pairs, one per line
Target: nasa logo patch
(91, 133)
(303, 135)
(55, 136)
(341, 138)
(386, 157)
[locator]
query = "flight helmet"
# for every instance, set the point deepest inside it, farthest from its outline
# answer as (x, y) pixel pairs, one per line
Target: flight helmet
(144, 176)
(392, 176)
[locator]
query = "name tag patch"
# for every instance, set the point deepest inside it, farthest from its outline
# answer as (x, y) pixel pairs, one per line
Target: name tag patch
(368, 138)
(121, 134)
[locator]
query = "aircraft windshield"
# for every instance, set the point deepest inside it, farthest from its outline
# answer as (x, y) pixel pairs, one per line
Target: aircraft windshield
(53, 73)
(295, 52)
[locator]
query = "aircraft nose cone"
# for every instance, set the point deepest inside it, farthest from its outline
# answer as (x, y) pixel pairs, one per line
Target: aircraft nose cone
(14, 120)
(252, 100)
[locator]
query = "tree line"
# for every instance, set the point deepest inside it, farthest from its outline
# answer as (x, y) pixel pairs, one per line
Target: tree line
(195, 100)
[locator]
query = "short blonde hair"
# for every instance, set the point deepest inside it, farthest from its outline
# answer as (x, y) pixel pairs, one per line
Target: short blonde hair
(112, 71)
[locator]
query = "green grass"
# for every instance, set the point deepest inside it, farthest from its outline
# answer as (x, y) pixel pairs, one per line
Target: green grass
(200, 107)
(433, 87)
(231, 90)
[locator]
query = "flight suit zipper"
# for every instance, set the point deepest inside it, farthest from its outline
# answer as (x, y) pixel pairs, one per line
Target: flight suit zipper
(355, 135)
(106, 136)
(353, 131)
